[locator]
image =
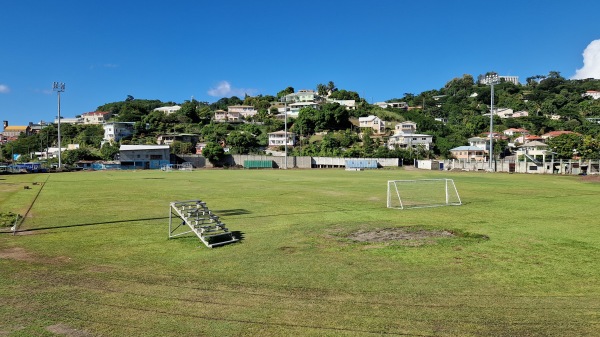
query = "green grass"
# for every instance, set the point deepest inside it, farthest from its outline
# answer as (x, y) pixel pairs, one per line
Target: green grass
(93, 255)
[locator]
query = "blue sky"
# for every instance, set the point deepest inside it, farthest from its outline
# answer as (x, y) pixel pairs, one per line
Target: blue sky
(173, 50)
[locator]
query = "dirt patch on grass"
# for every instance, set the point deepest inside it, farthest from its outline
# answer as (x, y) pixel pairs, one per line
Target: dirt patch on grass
(16, 253)
(64, 330)
(398, 234)
(409, 236)
(20, 254)
(591, 179)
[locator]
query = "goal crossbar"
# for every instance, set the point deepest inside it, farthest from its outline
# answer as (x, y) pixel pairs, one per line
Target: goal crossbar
(421, 193)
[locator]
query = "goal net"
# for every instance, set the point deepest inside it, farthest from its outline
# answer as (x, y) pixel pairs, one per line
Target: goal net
(420, 193)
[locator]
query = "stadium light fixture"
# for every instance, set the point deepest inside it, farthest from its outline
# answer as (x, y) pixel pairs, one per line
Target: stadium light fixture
(59, 87)
(491, 80)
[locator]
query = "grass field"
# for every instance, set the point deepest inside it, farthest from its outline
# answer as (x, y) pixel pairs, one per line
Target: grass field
(93, 258)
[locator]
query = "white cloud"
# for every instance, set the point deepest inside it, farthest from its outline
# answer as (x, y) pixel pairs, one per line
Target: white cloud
(4, 89)
(224, 89)
(591, 62)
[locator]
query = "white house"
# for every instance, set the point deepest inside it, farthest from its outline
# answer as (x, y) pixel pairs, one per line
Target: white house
(405, 136)
(395, 105)
(372, 122)
(349, 104)
(293, 109)
(533, 149)
(514, 131)
(167, 110)
(406, 127)
(278, 138)
(410, 140)
(76, 120)
(244, 111)
(302, 96)
(115, 131)
(592, 93)
(479, 142)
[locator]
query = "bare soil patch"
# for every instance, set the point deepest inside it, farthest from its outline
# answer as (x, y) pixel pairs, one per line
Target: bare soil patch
(16, 253)
(64, 330)
(398, 234)
(592, 179)
(20, 254)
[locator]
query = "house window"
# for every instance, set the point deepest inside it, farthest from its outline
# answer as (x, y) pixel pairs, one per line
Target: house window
(155, 157)
(138, 155)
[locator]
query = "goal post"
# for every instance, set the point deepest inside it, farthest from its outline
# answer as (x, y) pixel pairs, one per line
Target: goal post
(421, 193)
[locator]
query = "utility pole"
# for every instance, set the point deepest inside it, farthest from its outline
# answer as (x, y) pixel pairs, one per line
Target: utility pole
(59, 87)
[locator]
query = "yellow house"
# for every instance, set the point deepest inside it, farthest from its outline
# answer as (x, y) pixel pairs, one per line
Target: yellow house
(16, 131)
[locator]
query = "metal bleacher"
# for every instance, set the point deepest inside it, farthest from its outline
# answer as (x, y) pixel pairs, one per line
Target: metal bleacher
(201, 221)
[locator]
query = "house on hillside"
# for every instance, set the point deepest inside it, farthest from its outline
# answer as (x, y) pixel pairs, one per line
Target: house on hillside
(13, 132)
(293, 109)
(144, 156)
(394, 105)
(37, 127)
(74, 120)
(168, 139)
(167, 110)
(591, 93)
(244, 111)
(533, 150)
(553, 134)
(372, 122)
(115, 131)
(479, 142)
(225, 116)
(405, 137)
(96, 117)
(469, 153)
(278, 138)
(349, 104)
(302, 96)
(515, 131)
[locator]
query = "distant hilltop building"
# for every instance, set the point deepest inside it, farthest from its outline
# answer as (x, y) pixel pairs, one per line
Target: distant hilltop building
(512, 79)
(592, 93)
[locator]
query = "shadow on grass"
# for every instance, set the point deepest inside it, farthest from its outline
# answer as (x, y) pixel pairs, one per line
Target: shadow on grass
(91, 224)
(231, 212)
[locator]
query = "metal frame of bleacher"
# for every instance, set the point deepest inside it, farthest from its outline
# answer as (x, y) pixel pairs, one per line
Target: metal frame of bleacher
(201, 221)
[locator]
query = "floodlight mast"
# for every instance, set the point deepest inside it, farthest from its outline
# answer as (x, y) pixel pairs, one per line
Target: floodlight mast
(490, 80)
(59, 87)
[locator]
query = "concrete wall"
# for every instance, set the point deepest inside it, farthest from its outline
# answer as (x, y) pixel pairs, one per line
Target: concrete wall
(279, 162)
(574, 167)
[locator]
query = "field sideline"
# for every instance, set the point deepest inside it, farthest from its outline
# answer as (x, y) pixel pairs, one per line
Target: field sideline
(92, 257)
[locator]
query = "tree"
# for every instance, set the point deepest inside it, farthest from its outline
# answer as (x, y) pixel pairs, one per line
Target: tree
(344, 95)
(72, 156)
(213, 152)
(109, 151)
(331, 86)
(179, 147)
(322, 89)
(565, 145)
(286, 91)
(241, 142)
(589, 148)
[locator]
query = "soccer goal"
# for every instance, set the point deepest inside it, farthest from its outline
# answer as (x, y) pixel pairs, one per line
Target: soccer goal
(421, 193)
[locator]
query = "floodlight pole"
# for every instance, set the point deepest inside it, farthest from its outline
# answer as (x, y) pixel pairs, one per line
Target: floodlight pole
(286, 135)
(491, 80)
(58, 87)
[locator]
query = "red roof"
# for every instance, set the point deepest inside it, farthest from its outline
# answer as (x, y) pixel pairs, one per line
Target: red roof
(553, 134)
